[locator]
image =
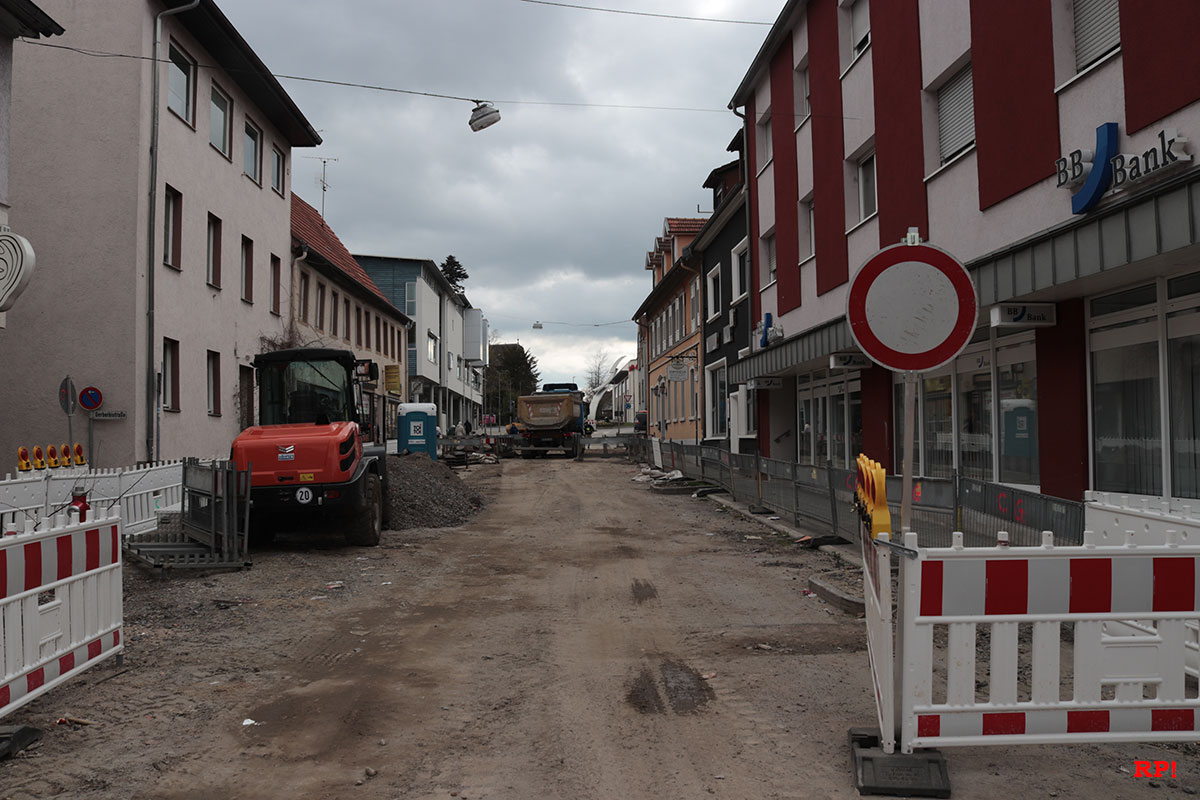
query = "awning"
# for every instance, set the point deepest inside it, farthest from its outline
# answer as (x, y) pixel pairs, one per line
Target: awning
(789, 354)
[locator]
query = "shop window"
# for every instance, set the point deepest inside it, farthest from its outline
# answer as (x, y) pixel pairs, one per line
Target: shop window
(974, 426)
(898, 444)
(1017, 387)
(1126, 430)
(939, 427)
(837, 426)
(1184, 364)
(804, 448)
(1124, 301)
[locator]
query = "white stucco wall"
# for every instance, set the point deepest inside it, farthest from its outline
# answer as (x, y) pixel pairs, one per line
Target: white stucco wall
(81, 132)
(79, 140)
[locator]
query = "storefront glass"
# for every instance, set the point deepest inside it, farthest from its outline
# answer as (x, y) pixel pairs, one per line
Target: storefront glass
(1127, 438)
(939, 428)
(1184, 366)
(898, 444)
(975, 425)
(837, 419)
(804, 449)
(856, 439)
(1018, 423)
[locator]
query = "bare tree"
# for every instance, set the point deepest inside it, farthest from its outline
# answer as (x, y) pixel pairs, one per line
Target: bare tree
(597, 368)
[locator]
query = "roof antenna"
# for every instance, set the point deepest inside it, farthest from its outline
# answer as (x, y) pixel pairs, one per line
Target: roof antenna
(324, 183)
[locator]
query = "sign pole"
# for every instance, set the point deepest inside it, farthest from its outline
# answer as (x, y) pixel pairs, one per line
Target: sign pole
(910, 414)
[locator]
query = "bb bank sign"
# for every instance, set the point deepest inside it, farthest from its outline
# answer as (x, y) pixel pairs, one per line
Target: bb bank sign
(1105, 169)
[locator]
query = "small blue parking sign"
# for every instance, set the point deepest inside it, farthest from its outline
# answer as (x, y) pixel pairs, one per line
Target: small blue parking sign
(90, 398)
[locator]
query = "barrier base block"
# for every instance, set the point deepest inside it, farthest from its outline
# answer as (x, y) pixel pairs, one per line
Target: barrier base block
(15, 738)
(921, 774)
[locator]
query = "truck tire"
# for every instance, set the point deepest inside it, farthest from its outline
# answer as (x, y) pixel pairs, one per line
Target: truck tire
(366, 527)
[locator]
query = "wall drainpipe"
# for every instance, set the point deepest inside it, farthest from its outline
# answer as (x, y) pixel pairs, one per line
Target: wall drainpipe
(151, 266)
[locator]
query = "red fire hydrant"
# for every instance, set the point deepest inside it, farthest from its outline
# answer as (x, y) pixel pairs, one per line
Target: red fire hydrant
(79, 503)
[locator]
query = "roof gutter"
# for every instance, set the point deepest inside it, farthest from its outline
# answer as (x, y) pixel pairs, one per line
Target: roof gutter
(151, 267)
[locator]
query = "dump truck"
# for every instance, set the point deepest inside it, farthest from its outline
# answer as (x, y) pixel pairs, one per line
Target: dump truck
(552, 419)
(310, 456)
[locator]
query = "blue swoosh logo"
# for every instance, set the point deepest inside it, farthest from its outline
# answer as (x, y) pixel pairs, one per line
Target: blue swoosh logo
(1101, 175)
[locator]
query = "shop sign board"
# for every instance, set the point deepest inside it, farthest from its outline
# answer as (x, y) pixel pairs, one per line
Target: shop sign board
(912, 307)
(764, 383)
(1024, 315)
(1104, 168)
(848, 361)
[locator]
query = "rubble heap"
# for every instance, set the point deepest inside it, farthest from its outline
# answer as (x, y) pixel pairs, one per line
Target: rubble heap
(426, 494)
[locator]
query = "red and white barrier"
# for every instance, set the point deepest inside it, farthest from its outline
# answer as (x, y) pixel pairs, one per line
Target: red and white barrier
(1128, 608)
(61, 608)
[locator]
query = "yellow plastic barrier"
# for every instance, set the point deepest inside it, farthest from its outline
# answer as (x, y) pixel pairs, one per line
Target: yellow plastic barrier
(870, 496)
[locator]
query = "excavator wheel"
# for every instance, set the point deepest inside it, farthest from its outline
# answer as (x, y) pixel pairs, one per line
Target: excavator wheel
(366, 527)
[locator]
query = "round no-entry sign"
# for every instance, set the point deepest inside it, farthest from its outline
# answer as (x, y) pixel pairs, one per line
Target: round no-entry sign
(912, 307)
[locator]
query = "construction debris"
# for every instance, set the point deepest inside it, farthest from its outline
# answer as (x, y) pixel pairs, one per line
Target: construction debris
(423, 493)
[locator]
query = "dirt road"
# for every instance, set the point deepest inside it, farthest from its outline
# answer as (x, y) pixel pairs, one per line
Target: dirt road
(580, 637)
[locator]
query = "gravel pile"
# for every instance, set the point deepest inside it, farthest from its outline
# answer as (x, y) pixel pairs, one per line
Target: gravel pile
(426, 494)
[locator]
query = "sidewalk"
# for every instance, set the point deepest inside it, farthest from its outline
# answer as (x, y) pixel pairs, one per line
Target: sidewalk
(848, 551)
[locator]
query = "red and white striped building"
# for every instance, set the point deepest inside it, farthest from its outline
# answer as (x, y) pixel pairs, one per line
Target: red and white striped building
(977, 123)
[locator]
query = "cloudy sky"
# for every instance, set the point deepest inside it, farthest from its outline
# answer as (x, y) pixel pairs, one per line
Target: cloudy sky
(552, 209)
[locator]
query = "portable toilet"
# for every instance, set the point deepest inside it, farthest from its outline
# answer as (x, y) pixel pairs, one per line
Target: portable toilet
(416, 429)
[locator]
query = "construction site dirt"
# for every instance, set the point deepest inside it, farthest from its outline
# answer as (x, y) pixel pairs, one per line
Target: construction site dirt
(579, 636)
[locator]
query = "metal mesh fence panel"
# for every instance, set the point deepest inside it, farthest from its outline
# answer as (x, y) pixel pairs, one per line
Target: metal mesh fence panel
(777, 487)
(987, 508)
(745, 477)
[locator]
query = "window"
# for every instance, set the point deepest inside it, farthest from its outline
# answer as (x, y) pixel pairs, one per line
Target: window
(717, 392)
(367, 330)
(276, 283)
(346, 319)
(333, 313)
(1097, 30)
(768, 245)
(278, 163)
(170, 375)
(173, 228)
(181, 74)
(431, 351)
(304, 297)
(713, 293)
(252, 152)
(220, 121)
(866, 187)
(245, 396)
(320, 306)
(1127, 435)
(1017, 390)
(214, 383)
(860, 27)
(410, 298)
(248, 271)
(358, 326)
(213, 261)
(812, 227)
(378, 334)
(694, 319)
(740, 256)
(956, 115)
(800, 89)
(762, 136)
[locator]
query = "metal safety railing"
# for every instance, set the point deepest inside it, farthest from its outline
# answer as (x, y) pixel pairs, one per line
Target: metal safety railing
(809, 496)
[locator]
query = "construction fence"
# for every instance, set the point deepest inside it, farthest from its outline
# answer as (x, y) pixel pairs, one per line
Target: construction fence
(819, 498)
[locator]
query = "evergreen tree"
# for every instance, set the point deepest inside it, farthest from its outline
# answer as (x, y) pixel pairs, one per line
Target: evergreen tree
(454, 272)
